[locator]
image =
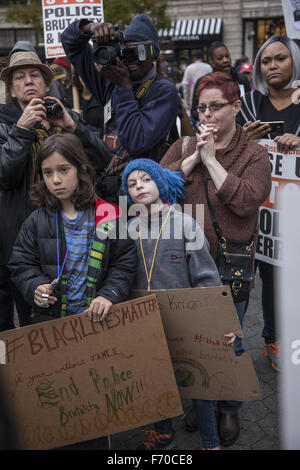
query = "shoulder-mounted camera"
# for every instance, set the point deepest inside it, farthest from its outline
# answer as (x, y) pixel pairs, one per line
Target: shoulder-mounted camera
(106, 53)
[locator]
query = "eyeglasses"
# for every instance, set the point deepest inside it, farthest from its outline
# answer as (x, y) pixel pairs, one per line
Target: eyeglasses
(201, 108)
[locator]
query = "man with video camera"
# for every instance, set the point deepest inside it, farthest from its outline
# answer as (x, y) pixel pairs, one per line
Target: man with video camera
(26, 121)
(140, 106)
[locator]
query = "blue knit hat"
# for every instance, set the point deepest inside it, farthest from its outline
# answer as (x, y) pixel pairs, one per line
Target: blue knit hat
(170, 184)
(142, 29)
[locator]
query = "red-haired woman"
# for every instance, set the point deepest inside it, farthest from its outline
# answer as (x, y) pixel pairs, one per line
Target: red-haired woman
(238, 177)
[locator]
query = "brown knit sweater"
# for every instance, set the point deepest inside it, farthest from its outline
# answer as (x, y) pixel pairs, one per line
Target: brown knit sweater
(237, 202)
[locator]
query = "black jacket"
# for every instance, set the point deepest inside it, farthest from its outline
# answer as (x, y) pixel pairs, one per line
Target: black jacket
(16, 168)
(92, 109)
(34, 260)
(251, 110)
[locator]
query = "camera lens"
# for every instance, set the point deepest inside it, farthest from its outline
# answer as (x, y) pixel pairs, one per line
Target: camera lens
(106, 55)
(103, 56)
(53, 109)
(57, 110)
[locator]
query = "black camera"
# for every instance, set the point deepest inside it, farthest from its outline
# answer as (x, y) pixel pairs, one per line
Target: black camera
(106, 53)
(53, 109)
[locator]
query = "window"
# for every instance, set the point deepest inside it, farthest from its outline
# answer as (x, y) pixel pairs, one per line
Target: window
(26, 35)
(7, 37)
(269, 27)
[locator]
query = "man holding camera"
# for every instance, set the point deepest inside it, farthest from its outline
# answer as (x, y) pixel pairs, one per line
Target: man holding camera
(140, 106)
(25, 121)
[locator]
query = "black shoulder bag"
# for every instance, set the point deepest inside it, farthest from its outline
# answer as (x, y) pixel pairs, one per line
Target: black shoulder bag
(234, 260)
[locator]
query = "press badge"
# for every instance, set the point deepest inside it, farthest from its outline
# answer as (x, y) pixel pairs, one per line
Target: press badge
(107, 112)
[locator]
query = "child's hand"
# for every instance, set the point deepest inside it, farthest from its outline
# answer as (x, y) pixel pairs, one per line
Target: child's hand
(43, 296)
(98, 309)
(231, 337)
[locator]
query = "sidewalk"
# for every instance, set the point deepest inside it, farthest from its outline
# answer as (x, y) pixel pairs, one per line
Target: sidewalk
(258, 419)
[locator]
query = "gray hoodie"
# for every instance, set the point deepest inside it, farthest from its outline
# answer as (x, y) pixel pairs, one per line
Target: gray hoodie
(182, 258)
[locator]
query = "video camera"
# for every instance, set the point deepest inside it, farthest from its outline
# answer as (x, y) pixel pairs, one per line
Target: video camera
(106, 53)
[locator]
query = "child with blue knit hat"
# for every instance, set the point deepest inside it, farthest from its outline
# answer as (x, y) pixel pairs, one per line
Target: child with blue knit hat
(172, 253)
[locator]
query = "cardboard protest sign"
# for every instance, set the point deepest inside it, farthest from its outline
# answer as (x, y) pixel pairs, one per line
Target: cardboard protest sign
(285, 171)
(71, 380)
(195, 321)
(58, 14)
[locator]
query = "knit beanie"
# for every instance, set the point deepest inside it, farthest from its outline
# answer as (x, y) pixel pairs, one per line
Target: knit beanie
(170, 184)
(142, 29)
(22, 46)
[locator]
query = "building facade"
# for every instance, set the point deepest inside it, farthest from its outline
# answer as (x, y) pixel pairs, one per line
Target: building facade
(243, 25)
(11, 32)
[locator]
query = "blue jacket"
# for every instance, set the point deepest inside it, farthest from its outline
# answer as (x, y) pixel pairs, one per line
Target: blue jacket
(141, 126)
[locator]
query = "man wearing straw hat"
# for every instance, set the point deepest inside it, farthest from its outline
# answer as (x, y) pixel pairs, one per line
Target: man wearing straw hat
(24, 124)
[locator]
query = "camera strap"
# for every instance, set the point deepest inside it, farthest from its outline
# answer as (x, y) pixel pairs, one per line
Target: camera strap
(144, 87)
(120, 156)
(138, 94)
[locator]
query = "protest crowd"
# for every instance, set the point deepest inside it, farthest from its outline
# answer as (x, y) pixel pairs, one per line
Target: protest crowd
(125, 159)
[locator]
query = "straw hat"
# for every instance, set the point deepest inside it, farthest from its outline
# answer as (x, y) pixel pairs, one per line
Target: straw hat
(19, 59)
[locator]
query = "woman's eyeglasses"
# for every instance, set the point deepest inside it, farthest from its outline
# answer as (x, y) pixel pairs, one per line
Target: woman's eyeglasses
(201, 108)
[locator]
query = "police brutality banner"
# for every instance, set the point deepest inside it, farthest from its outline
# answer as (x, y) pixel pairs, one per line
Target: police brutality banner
(58, 14)
(285, 175)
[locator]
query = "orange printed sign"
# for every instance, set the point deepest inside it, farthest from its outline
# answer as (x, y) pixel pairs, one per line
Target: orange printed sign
(72, 380)
(285, 172)
(55, 51)
(59, 14)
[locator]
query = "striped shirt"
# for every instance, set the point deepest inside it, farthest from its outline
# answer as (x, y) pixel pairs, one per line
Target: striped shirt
(77, 261)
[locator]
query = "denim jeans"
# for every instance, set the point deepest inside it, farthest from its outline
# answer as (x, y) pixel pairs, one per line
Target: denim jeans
(205, 409)
(164, 427)
(207, 423)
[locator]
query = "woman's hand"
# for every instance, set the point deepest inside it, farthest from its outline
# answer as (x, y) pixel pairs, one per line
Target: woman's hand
(34, 113)
(256, 130)
(98, 309)
(231, 339)
(206, 144)
(287, 142)
(45, 292)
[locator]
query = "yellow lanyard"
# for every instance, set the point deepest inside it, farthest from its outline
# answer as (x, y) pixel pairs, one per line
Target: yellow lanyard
(148, 276)
(144, 87)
